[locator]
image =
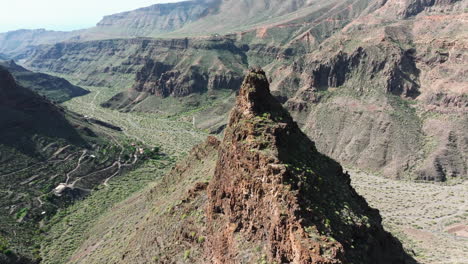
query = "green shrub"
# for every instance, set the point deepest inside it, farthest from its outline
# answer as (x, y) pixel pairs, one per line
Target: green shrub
(201, 239)
(187, 254)
(22, 213)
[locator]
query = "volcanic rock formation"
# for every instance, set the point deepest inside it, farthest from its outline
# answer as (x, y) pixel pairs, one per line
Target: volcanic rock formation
(272, 189)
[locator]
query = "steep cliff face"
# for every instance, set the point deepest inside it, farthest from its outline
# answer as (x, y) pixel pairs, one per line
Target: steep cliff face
(409, 8)
(266, 164)
(376, 103)
(354, 105)
(262, 194)
(164, 80)
(162, 67)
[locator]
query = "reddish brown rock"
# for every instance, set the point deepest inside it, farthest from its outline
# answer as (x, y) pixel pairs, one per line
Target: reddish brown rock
(274, 192)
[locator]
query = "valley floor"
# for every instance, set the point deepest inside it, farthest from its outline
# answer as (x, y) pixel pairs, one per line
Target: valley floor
(430, 219)
(173, 135)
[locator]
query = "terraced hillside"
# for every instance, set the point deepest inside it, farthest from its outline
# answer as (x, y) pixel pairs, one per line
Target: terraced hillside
(50, 158)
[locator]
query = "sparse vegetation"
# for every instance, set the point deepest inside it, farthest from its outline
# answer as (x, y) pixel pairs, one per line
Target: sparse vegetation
(419, 214)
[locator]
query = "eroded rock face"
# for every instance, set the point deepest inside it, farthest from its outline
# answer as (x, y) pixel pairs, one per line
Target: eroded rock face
(165, 80)
(151, 65)
(373, 96)
(273, 191)
(395, 74)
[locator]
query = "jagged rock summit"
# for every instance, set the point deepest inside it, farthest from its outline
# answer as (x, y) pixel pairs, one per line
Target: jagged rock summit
(273, 191)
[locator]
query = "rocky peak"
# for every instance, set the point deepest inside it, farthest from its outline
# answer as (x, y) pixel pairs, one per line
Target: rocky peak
(255, 97)
(273, 192)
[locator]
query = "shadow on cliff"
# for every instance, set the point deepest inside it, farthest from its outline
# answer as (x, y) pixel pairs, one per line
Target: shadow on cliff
(325, 195)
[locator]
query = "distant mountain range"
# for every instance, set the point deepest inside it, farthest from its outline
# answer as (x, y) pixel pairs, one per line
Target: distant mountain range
(192, 19)
(391, 73)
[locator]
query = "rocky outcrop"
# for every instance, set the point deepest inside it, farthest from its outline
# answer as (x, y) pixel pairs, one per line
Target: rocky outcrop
(163, 80)
(273, 191)
(448, 102)
(398, 76)
(448, 159)
(408, 9)
(414, 7)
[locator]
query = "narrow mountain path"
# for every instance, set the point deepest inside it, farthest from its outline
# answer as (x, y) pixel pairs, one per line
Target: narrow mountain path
(77, 166)
(41, 203)
(93, 104)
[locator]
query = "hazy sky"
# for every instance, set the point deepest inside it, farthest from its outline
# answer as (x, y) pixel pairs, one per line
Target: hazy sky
(63, 14)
